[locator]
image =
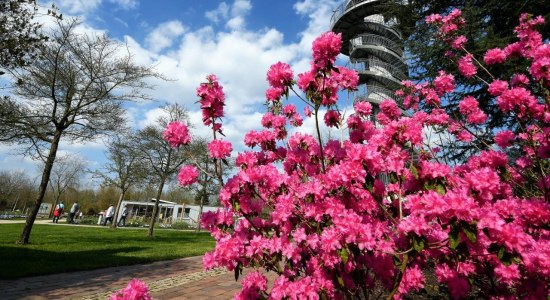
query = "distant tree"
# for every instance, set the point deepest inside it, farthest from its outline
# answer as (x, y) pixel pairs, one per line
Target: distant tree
(123, 169)
(15, 187)
(206, 189)
(489, 24)
(66, 173)
(161, 161)
(21, 38)
(75, 91)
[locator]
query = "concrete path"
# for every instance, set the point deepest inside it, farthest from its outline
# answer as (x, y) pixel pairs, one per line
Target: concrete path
(176, 279)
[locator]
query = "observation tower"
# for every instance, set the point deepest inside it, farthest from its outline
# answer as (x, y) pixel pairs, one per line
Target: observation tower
(374, 47)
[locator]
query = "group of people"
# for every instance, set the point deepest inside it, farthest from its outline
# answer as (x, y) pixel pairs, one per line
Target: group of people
(60, 208)
(108, 217)
(110, 214)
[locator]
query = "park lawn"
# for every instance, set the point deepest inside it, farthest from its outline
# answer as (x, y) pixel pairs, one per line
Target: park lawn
(57, 249)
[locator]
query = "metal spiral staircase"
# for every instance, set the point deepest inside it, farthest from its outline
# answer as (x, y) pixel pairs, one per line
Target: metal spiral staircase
(374, 47)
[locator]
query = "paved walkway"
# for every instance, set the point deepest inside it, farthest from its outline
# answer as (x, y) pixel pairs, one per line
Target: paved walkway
(176, 279)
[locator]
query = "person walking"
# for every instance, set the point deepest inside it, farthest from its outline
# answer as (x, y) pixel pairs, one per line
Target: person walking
(109, 215)
(123, 217)
(74, 209)
(58, 212)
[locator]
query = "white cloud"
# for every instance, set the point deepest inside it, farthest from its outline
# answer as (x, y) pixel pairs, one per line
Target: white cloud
(164, 35)
(84, 7)
(234, 14)
(78, 7)
(126, 4)
(218, 14)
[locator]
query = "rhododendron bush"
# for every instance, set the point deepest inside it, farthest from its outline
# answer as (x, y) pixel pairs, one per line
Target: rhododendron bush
(380, 214)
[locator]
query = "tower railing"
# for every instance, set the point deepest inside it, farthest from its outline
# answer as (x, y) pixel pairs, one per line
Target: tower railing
(377, 94)
(375, 40)
(376, 65)
(342, 8)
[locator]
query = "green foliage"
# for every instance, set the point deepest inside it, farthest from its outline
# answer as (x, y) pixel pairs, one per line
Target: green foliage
(56, 249)
(181, 225)
(489, 24)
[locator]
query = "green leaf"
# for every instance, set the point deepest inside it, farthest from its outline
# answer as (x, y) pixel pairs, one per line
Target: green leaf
(418, 243)
(501, 252)
(344, 255)
(414, 171)
(238, 271)
(340, 280)
(440, 189)
(470, 231)
(454, 236)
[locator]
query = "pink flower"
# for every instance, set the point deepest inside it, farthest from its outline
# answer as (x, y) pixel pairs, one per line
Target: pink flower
(347, 78)
(470, 108)
(519, 80)
(332, 118)
(504, 138)
(444, 83)
(307, 111)
(466, 67)
(289, 110)
(497, 87)
(306, 81)
(176, 134)
(540, 69)
(363, 108)
(494, 56)
(459, 42)
(274, 94)
(325, 49)
(212, 100)
(413, 280)
(219, 149)
(507, 274)
(434, 18)
(188, 175)
(279, 75)
(135, 290)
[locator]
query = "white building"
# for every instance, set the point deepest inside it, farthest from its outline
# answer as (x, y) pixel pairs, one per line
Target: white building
(169, 212)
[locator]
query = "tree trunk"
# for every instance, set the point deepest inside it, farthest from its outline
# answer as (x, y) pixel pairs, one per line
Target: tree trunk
(200, 208)
(24, 239)
(156, 208)
(114, 224)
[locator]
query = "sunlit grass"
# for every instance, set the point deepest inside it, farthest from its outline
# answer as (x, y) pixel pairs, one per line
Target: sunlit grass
(56, 249)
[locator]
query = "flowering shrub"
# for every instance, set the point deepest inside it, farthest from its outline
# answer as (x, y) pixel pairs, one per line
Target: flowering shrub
(135, 290)
(380, 213)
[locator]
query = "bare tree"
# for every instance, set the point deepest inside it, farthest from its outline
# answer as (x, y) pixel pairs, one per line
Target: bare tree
(66, 173)
(161, 160)
(14, 186)
(75, 92)
(206, 187)
(123, 169)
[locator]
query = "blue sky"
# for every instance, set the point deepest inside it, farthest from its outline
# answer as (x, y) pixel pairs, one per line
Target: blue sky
(188, 39)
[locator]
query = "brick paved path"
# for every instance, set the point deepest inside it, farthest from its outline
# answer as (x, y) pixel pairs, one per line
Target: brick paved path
(176, 279)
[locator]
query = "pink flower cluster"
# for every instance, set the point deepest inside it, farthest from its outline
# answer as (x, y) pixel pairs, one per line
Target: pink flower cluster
(469, 107)
(188, 175)
(219, 149)
(325, 49)
(212, 101)
(176, 134)
(135, 290)
(380, 210)
(279, 76)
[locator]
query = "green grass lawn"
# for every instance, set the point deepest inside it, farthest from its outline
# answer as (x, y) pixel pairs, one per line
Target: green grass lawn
(56, 249)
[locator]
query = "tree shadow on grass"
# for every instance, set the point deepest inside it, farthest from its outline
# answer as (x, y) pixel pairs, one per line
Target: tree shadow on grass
(20, 262)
